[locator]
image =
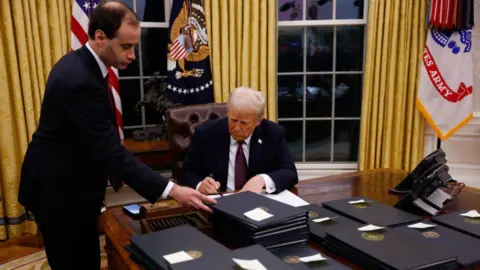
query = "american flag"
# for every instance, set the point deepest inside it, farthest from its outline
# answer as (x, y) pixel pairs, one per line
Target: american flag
(81, 10)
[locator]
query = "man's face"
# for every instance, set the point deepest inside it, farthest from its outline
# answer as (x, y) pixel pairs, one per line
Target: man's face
(119, 52)
(241, 123)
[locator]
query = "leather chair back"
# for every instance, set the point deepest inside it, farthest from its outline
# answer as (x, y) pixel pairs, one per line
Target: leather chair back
(181, 123)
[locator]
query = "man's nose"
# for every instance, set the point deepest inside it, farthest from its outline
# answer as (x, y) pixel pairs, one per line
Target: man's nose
(131, 54)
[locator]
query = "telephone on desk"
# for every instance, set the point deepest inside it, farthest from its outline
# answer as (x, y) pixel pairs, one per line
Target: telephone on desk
(429, 186)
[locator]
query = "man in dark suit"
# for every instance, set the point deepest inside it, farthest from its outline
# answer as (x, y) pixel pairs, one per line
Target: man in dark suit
(241, 152)
(76, 146)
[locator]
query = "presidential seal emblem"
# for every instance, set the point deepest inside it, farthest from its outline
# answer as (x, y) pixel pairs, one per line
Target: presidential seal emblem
(291, 259)
(431, 234)
(470, 220)
(360, 205)
(195, 254)
(312, 214)
(373, 236)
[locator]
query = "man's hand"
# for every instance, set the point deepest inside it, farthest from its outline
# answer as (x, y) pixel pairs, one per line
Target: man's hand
(191, 198)
(209, 186)
(255, 184)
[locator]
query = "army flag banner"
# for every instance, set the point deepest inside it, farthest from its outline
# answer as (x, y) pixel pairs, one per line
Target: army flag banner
(445, 91)
(188, 67)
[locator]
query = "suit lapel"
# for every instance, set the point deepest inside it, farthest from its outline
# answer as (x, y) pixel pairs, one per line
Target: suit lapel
(223, 153)
(255, 154)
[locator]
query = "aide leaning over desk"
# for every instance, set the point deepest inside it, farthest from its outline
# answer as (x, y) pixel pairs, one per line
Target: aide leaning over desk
(215, 160)
(76, 146)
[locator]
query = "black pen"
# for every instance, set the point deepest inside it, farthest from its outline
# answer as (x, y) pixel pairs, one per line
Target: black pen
(218, 189)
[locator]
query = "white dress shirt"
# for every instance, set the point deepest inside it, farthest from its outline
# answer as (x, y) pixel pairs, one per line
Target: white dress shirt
(269, 184)
(104, 70)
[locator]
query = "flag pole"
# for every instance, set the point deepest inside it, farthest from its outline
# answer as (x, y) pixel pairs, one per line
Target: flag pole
(439, 143)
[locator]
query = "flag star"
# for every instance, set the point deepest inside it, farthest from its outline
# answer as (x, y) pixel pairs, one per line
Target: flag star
(174, 88)
(211, 82)
(197, 90)
(169, 86)
(203, 87)
(185, 91)
(191, 90)
(86, 5)
(95, 5)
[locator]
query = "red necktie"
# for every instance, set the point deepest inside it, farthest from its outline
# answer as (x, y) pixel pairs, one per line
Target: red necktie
(240, 167)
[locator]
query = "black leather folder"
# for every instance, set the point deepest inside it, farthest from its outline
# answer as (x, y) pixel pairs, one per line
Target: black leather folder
(372, 212)
(149, 249)
(337, 222)
(267, 259)
(453, 242)
(470, 226)
(388, 249)
(291, 255)
(236, 205)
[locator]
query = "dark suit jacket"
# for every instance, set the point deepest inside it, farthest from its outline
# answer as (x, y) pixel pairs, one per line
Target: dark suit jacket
(208, 155)
(76, 146)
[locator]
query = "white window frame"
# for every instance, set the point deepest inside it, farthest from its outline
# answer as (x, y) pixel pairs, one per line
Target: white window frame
(323, 168)
(142, 78)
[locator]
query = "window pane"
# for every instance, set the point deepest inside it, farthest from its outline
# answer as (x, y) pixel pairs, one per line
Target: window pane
(348, 95)
(319, 96)
(319, 49)
(129, 3)
(130, 95)
(290, 96)
(290, 10)
(133, 69)
(128, 133)
(154, 50)
(347, 133)
(152, 117)
(350, 48)
(318, 141)
(290, 49)
(350, 9)
(151, 10)
(319, 10)
(293, 135)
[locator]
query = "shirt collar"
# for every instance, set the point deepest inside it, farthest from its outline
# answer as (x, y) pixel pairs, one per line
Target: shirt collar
(100, 63)
(247, 140)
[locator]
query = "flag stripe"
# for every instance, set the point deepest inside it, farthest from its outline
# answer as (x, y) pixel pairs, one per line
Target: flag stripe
(79, 14)
(78, 31)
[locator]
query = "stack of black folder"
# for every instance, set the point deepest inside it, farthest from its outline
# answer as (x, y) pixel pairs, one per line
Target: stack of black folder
(456, 221)
(255, 252)
(318, 229)
(387, 249)
(371, 212)
(453, 242)
(149, 249)
(291, 255)
(288, 225)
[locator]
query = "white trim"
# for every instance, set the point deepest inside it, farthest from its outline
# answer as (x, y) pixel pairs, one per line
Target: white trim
(154, 24)
(327, 166)
(323, 22)
(309, 174)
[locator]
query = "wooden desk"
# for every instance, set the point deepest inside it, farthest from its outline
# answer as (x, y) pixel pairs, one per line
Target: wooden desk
(155, 154)
(374, 184)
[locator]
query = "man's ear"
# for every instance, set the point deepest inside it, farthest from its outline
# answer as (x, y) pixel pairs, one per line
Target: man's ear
(100, 36)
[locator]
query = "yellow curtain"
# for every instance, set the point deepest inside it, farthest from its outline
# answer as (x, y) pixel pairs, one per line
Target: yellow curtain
(34, 34)
(392, 128)
(242, 39)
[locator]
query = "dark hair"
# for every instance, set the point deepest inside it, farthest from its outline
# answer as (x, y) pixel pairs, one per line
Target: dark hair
(108, 18)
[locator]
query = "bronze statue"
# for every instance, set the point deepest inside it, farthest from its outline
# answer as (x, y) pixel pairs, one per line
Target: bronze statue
(155, 100)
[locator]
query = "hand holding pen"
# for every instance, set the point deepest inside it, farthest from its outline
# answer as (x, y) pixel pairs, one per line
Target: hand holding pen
(209, 186)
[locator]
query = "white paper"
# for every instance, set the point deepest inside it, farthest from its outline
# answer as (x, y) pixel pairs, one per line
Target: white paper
(359, 201)
(313, 258)
(177, 257)
(287, 197)
(319, 220)
(216, 196)
(421, 225)
(249, 264)
(370, 228)
(258, 214)
(471, 214)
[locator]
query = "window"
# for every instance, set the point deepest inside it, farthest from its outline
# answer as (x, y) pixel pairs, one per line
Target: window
(151, 56)
(321, 46)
